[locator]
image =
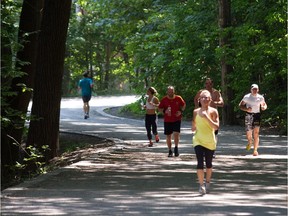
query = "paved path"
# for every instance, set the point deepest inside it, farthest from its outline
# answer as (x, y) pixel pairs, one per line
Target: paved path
(131, 179)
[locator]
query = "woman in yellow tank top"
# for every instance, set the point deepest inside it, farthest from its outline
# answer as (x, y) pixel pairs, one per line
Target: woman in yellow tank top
(205, 121)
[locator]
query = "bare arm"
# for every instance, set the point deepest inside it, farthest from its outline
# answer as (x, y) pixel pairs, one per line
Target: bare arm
(219, 102)
(155, 102)
(213, 118)
(193, 126)
(182, 108)
(161, 110)
(263, 106)
(196, 99)
(243, 107)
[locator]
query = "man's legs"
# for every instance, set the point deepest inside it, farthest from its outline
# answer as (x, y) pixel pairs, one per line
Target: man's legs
(176, 136)
(256, 140)
(86, 109)
(249, 138)
(249, 129)
(169, 141)
(169, 144)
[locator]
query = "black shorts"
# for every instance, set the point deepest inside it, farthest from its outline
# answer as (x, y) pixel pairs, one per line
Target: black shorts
(170, 127)
(86, 98)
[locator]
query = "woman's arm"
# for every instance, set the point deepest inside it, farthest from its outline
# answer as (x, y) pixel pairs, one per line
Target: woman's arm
(193, 126)
(213, 117)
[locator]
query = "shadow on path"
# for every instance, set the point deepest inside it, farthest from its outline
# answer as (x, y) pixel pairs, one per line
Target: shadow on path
(129, 178)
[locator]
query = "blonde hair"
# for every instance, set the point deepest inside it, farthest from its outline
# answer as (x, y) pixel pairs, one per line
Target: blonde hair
(205, 91)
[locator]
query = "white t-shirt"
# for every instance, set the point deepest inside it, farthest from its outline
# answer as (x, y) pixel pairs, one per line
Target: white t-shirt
(253, 101)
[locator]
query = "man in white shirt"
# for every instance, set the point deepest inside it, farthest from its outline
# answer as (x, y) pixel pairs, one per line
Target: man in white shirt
(252, 104)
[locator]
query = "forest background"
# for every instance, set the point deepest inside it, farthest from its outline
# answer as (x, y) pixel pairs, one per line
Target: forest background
(127, 46)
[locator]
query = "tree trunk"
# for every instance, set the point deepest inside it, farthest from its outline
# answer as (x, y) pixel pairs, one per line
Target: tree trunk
(226, 69)
(107, 65)
(6, 64)
(49, 73)
(29, 25)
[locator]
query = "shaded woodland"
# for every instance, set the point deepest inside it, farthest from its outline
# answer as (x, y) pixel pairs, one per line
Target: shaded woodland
(128, 45)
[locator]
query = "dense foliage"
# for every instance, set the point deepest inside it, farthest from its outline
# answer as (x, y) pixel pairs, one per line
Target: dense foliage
(128, 45)
(141, 43)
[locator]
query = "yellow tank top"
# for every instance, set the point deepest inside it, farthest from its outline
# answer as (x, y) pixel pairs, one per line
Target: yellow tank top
(204, 135)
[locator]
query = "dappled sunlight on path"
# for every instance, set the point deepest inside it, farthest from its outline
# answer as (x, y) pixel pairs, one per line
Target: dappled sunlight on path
(135, 180)
(128, 178)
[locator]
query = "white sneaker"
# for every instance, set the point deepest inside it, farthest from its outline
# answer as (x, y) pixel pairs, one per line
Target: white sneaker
(202, 189)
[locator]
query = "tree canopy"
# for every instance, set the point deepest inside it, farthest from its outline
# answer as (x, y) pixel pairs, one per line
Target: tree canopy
(129, 45)
(158, 43)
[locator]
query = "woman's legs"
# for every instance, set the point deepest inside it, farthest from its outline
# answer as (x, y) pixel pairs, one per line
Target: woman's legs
(154, 127)
(154, 124)
(199, 150)
(208, 159)
(201, 153)
(148, 127)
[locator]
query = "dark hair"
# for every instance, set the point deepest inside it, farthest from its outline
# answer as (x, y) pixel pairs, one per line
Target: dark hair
(85, 74)
(211, 80)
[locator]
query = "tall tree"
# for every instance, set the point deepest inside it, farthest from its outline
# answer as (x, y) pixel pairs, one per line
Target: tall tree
(226, 68)
(26, 60)
(8, 156)
(49, 73)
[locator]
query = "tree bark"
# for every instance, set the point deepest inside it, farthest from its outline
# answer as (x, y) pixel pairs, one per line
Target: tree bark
(226, 69)
(49, 73)
(107, 65)
(29, 25)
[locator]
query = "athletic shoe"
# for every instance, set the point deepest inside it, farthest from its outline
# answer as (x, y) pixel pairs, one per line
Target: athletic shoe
(207, 185)
(170, 154)
(157, 138)
(202, 189)
(255, 153)
(150, 144)
(248, 146)
(176, 152)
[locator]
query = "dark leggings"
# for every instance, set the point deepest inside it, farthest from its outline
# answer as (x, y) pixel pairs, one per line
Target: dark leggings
(150, 121)
(201, 153)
